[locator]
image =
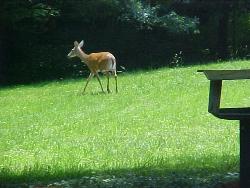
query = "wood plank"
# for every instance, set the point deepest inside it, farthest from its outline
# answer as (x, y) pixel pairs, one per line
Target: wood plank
(214, 96)
(226, 74)
(233, 113)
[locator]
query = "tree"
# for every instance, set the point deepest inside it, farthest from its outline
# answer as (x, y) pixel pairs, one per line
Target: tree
(18, 18)
(150, 14)
(25, 14)
(225, 14)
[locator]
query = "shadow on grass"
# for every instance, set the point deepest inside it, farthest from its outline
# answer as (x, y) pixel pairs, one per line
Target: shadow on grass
(178, 177)
(39, 81)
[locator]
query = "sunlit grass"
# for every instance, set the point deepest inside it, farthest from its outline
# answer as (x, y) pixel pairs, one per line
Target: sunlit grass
(157, 123)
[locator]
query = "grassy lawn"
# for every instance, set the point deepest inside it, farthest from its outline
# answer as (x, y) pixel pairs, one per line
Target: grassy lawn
(155, 130)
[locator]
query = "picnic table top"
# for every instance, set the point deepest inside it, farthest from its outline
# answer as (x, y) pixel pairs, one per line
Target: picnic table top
(226, 74)
(215, 93)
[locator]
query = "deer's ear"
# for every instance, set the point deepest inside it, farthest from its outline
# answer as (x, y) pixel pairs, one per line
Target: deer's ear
(75, 43)
(81, 43)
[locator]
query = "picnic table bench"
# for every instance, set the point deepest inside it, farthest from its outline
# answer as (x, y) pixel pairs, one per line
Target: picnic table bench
(242, 114)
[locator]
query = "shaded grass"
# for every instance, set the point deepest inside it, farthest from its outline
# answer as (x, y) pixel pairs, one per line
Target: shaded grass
(156, 125)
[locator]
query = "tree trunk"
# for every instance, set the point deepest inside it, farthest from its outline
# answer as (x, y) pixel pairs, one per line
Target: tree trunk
(222, 42)
(2, 56)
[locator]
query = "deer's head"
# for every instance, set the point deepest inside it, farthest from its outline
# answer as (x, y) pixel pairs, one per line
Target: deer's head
(75, 50)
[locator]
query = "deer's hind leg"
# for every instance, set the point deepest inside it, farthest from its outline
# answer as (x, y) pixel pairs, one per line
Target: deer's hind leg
(108, 74)
(116, 85)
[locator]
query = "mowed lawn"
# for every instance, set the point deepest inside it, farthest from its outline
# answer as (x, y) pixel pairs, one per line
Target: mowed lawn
(156, 125)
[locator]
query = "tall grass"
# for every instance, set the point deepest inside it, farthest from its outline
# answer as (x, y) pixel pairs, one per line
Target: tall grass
(157, 124)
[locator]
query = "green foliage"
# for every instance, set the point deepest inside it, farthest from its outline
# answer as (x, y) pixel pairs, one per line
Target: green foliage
(155, 130)
(90, 12)
(148, 17)
(41, 12)
(25, 15)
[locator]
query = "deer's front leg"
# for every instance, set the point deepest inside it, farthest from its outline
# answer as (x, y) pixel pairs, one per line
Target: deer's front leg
(88, 79)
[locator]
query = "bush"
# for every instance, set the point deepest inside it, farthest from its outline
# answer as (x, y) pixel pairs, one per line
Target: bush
(148, 17)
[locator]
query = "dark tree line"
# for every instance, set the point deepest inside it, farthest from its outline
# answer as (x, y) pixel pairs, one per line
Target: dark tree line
(35, 35)
(228, 16)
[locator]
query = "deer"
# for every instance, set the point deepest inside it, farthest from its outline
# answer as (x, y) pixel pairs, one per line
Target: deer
(104, 62)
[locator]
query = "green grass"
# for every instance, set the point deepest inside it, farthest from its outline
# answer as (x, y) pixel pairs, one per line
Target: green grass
(157, 125)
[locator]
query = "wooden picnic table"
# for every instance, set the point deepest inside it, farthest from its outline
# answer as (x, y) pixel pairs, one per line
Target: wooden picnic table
(242, 114)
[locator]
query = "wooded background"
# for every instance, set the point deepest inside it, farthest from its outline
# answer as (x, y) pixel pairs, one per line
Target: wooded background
(36, 35)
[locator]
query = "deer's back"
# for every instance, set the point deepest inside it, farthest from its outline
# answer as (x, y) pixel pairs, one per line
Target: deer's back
(101, 61)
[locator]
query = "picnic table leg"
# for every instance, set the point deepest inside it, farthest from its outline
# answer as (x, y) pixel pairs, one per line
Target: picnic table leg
(245, 153)
(214, 96)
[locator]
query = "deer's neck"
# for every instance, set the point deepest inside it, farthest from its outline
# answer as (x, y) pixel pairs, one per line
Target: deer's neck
(82, 55)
